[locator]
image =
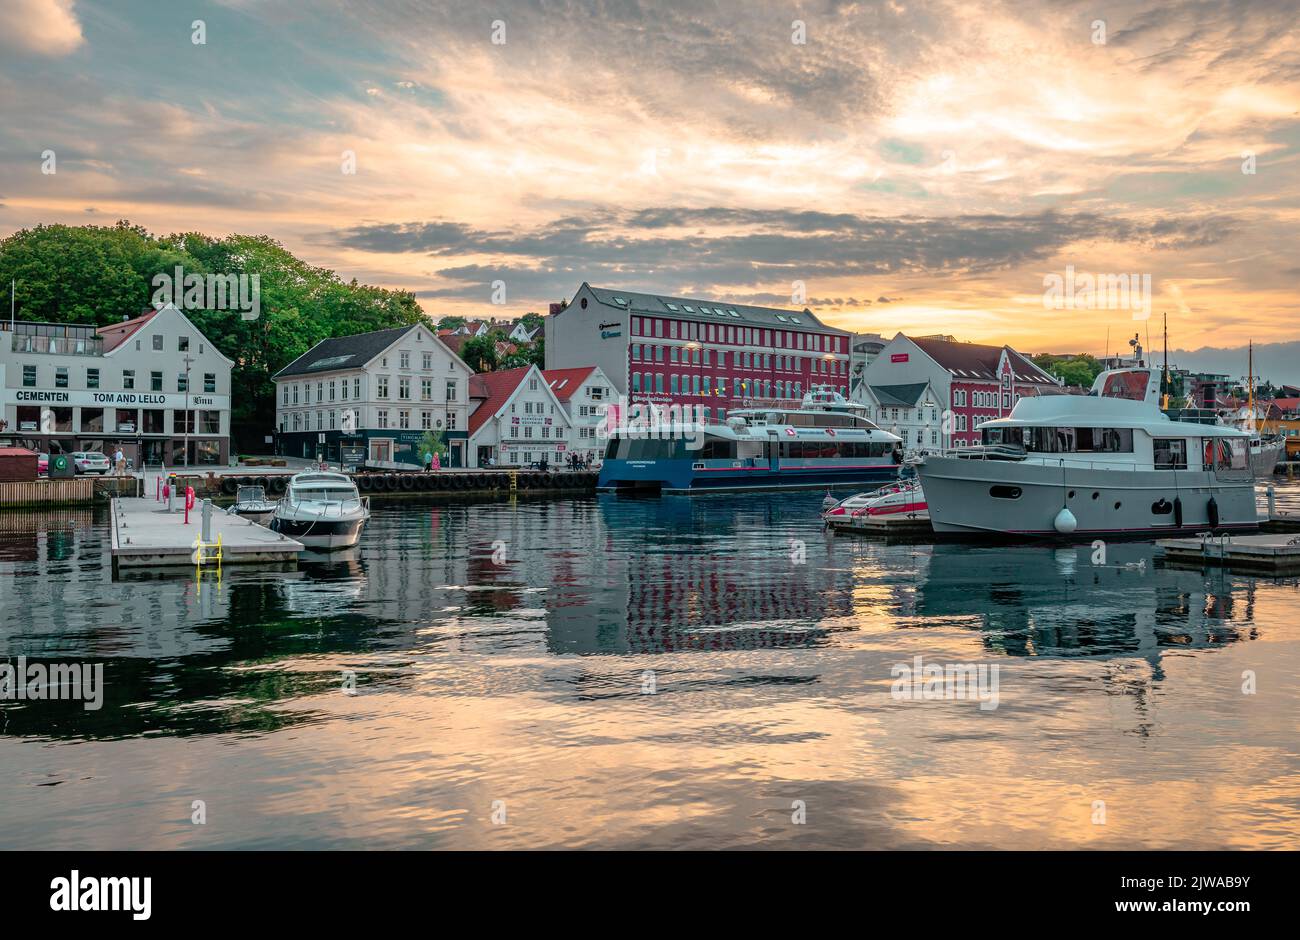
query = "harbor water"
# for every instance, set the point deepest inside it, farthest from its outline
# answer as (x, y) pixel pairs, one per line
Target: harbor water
(625, 672)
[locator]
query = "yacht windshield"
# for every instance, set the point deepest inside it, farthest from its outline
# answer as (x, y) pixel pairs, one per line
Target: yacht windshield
(324, 493)
(1131, 386)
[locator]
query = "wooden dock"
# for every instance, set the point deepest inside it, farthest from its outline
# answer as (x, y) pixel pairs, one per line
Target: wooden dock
(1270, 554)
(146, 535)
(69, 492)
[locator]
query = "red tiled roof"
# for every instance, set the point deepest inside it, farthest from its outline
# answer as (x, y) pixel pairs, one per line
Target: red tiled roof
(495, 388)
(974, 360)
(1287, 404)
(564, 382)
(115, 334)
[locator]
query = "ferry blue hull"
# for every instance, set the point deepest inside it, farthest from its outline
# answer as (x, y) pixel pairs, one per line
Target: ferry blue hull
(683, 476)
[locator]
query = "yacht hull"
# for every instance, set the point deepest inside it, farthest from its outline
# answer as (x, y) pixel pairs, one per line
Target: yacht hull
(960, 493)
(320, 533)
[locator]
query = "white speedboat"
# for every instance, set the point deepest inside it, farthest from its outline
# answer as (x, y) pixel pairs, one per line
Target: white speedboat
(321, 510)
(904, 500)
(1106, 463)
(251, 504)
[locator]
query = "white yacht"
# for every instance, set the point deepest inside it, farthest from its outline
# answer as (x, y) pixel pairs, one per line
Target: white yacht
(321, 510)
(1106, 463)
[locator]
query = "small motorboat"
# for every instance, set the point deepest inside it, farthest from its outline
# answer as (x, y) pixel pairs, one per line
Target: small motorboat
(321, 510)
(251, 504)
(903, 500)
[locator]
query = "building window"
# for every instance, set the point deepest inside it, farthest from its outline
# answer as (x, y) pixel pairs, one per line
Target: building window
(356, 387)
(182, 344)
(331, 424)
(92, 378)
(404, 388)
(209, 382)
(381, 390)
(428, 361)
(182, 422)
(155, 382)
(451, 390)
(29, 376)
(209, 422)
(382, 418)
(404, 420)
(182, 382)
(343, 389)
(404, 360)
(426, 389)
(332, 384)
(61, 377)
(158, 342)
(426, 420)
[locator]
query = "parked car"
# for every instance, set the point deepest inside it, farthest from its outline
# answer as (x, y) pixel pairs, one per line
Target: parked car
(42, 465)
(90, 461)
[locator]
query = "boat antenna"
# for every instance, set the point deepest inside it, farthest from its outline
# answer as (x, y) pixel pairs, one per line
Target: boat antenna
(1164, 375)
(1250, 385)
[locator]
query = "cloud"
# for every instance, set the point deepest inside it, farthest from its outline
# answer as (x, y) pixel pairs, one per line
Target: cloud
(43, 27)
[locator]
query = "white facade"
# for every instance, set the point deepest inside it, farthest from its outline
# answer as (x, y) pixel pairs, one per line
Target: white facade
(383, 392)
(68, 387)
(920, 424)
(520, 423)
(585, 405)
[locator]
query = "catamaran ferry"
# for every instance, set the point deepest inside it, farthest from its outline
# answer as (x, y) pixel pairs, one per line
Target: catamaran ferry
(827, 441)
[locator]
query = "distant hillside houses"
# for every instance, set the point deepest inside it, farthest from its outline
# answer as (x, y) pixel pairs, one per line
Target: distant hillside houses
(514, 329)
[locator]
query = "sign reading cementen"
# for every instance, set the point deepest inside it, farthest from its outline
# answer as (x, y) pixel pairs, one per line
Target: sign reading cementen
(34, 396)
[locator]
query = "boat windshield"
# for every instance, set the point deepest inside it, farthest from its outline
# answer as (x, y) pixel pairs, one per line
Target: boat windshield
(320, 493)
(1131, 386)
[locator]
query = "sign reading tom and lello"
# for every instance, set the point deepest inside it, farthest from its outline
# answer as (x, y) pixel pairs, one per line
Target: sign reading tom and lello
(90, 398)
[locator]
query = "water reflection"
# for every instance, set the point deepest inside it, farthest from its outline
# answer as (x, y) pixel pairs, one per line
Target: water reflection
(1072, 601)
(611, 576)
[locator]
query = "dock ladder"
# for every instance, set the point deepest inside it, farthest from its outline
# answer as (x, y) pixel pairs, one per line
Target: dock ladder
(205, 553)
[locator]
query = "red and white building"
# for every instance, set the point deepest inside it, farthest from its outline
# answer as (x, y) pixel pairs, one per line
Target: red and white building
(973, 382)
(676, 351)
(585, 393)
(522, 415)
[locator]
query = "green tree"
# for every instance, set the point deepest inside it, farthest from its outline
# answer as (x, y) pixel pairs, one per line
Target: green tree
(431, 442)
(451, 323)
(480, 353)
(1078, 370)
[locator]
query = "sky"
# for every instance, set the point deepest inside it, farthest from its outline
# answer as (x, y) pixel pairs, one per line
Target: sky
(898, 166)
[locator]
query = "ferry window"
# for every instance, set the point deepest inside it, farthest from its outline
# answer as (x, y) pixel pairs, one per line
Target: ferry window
(1004, 492)
(1170, 453)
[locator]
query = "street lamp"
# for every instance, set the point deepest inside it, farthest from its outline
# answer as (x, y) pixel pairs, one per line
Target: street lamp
(185, 456)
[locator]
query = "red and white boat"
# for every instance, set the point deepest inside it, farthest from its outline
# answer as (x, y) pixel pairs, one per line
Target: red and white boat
(900, 501)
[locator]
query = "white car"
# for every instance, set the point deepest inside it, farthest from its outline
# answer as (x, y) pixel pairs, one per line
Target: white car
(90, 461)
